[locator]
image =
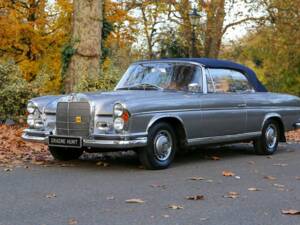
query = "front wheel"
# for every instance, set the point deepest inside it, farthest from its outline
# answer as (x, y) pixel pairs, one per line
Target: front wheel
(268, 142)
(65, 154)
(161, 147)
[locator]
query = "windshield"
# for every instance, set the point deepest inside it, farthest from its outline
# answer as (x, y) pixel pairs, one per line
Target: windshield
(154, 76)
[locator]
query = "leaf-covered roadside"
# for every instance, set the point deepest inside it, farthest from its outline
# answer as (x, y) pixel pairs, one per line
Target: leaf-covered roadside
(293, 136)
(16, 152)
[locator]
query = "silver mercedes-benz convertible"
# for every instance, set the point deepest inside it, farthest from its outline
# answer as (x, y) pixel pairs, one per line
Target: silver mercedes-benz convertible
(161, 107)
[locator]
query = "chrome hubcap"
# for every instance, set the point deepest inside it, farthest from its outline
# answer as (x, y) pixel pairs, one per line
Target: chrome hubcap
(163, 145)
(271, 136)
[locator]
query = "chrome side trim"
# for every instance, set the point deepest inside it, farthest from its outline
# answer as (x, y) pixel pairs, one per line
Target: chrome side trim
(217, 109)
(225, 138)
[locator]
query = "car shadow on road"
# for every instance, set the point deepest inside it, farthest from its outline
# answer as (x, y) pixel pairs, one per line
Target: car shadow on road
(129, 160)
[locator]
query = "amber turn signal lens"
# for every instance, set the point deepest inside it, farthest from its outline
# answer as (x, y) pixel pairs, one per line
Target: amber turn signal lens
(125, 116)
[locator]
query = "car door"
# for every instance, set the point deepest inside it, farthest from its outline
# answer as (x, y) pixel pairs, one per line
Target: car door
(223, 108)
(188, 80)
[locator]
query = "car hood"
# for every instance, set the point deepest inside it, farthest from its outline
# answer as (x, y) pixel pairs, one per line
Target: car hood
(135, 100)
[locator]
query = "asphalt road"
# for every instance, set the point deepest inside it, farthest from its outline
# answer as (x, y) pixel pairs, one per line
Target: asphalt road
(84, 193)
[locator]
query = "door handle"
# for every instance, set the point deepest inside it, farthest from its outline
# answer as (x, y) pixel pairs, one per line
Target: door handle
(242, 105)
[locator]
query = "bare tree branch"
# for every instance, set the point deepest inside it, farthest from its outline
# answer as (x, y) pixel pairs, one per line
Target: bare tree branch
(245, 20)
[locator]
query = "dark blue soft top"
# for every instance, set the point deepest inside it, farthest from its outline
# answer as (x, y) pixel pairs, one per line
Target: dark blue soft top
(224, 64)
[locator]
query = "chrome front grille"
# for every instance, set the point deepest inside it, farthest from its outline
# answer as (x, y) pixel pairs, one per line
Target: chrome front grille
(73, 119)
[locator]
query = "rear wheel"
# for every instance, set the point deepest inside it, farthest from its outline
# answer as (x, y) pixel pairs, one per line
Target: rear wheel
(65, 154)
(161, 148)
(268, 142)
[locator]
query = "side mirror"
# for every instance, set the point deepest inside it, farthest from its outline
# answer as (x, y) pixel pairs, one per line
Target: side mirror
(194, 87)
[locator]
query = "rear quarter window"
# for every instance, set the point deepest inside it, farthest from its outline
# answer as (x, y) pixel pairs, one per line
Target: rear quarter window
(227, 81)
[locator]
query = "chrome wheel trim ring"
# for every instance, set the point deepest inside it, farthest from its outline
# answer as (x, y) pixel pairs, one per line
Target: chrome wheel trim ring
(163, 145)
(271, 136)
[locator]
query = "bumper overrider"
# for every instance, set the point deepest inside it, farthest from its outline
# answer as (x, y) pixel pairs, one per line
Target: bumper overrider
(104, 141)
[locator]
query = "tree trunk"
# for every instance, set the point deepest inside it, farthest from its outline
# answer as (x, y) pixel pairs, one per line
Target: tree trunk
(214, 31)
(86, 37)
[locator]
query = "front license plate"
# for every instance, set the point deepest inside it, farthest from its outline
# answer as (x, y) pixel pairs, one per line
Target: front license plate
(71, 142)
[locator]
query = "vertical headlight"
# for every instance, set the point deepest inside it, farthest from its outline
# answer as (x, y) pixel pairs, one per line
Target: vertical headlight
(30, 120)
(118, 110)
(119, 124)
(34, 119)
(121, 117)
(31, 107)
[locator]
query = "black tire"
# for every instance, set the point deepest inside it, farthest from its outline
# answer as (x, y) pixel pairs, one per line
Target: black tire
(150, 156)
(264, 145)
(65, 154)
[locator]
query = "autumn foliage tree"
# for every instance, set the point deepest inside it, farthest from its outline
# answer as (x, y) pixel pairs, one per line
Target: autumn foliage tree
(273, 49)
(32, 34)
(72, 44)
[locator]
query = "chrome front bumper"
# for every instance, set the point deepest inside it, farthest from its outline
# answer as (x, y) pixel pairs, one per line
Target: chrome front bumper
(96, 141)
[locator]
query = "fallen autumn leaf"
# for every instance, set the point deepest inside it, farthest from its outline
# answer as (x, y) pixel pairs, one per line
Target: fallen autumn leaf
(278, 185)
(270, 177)
(196, 178)
(215, 158)
(280, 164)
(254, 189)
(232, 195)
(72, 221)
(290, 211)
(158, 186)
(227, 173)
(195, 197)
(51, 195)
(104, 164)
(110, 198)
(135, 201)
(172, 206)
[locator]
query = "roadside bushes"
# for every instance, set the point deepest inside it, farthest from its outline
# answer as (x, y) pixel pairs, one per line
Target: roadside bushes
(14, 92)
(107, 81)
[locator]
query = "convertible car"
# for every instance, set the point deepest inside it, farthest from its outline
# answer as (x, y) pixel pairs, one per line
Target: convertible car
(161, 107)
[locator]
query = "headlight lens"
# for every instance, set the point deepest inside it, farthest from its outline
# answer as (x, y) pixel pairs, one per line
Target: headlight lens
(30, 120)
(119, 124)
(34, 119)
(118, 110)
(31, 107)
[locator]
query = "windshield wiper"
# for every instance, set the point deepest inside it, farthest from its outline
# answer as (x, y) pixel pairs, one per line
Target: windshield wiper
(141, 86)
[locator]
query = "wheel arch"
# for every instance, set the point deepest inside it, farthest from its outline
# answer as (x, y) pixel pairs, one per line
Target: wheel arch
(276, 117)
(176, 122)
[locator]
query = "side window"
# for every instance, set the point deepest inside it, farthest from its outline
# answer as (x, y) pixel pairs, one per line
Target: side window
(240, 82)
(183, 75)
(221, 79)
(228, 81)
